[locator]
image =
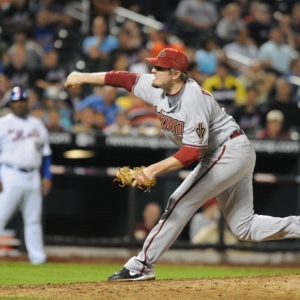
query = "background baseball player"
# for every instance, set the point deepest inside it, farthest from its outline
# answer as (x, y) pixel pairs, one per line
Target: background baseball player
(194, 121)
(24, 147)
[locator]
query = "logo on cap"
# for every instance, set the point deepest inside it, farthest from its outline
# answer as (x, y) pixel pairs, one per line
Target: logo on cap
(18, 94)
(162, 53)
(170, 58)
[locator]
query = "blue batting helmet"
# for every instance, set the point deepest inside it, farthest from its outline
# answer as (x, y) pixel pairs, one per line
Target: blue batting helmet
(18, 93)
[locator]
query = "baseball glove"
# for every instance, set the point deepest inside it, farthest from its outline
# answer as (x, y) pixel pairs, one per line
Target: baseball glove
(127, 176)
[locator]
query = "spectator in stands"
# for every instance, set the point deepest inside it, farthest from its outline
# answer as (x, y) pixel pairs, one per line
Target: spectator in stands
(75, 95)
(244, 6)
(126, 101)
(285, 27)
(275, 55)
(207, 57)
(135, 35)
(142, 118)
(50, 15)
(126, 46)
(274, 127)
(33, 97)
(295, 17)
(108, 104)
(297, 41)
(99, 121)
(142, 66)
(250, 14)
(53, 120)
(230, 24)
(16, 15)
(248, 115)
(97, 46)
(282, 101)
(44, 29)
(149, 130)
(196, 18)
(261, 25)
(37, 110)
(141, 114)
(194, 72)
(204, 226)
(241, 52)
(92, 119)
(16, 70)
(50, 73)
(256, 75)
(121, 125)
(117, 60)
(5, 86)
(209, 215)
(161, 39)
(5, 92)
(293, 76)
(56, 12)
(4, 58)
(86, 123)
(34, 52)
(225, 87)
(104, 8)
(52, 100)
(151, 215)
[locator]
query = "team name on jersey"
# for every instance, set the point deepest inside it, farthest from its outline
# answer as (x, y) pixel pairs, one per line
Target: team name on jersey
(169, 124)
(20, 135)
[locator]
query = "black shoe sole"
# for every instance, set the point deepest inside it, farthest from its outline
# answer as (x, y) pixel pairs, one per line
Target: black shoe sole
(142, 278)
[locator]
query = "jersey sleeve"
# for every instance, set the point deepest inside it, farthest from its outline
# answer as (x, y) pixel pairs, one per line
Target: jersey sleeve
(139, 85)
(197, 110)
(187, 155)
(144, 89)
(122, 79)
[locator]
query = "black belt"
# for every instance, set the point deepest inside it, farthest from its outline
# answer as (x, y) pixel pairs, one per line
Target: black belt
(236, 134)
(20, 169)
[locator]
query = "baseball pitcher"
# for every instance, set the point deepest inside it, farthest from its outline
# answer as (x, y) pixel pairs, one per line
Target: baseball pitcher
(24, 148)
(204, 132)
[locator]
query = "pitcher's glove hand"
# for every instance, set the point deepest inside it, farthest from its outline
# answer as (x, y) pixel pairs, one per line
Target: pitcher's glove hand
(127, 176)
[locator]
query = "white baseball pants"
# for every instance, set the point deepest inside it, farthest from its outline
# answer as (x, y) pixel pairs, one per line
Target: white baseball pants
(23, 190)
(226, 174)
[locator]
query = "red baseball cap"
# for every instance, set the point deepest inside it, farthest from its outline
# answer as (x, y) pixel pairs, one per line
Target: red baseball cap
(170, 58)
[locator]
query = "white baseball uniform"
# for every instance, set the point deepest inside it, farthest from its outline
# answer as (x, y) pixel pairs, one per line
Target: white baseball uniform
(23, 143)
(225, 169)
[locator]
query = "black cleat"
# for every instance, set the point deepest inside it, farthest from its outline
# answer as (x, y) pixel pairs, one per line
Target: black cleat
(127, 275)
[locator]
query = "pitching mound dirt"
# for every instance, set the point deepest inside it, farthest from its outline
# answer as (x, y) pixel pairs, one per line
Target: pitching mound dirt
(285, 287)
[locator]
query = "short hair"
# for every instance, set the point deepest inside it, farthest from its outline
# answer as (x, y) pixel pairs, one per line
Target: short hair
(184, 76)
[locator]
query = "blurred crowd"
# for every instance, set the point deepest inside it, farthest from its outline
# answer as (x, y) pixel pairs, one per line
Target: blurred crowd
(245, 53)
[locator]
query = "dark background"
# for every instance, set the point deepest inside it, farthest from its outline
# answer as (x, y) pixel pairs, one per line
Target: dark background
(93, 206)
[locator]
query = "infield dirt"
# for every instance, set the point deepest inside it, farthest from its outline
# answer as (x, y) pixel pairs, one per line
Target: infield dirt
(285, 287)
(268, 287)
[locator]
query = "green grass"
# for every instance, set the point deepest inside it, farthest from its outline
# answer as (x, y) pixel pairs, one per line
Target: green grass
(25, 273)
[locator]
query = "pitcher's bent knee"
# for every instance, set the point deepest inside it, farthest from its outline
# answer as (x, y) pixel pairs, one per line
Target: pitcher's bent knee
(244, 233)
